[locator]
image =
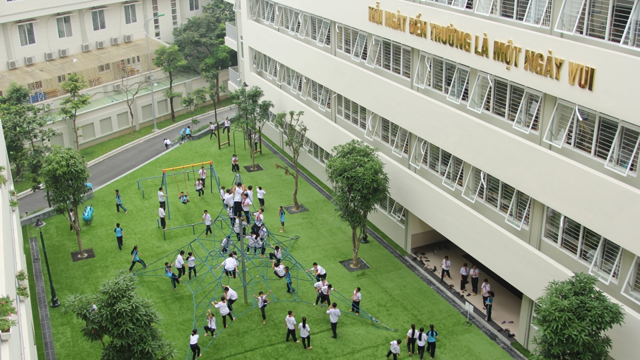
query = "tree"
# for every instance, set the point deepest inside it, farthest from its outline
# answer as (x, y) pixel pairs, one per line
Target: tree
(360, 183)
(573, 317)
(128, 320)
(295, 131)
(132, 89)
(75, 101)
(252, 114)
(210, 68)
(193, 99)
(26, 132)
(210, 74)
(170, 59)
(65, 174)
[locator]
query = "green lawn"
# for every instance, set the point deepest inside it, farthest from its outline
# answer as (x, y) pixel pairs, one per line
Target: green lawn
(391, 292)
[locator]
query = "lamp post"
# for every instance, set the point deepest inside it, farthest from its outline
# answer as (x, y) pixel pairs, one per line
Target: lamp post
(153, 102)
(54, 298)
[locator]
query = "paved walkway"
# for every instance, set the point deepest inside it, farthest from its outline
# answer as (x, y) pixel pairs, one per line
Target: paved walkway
(43, 301)
(123, 161)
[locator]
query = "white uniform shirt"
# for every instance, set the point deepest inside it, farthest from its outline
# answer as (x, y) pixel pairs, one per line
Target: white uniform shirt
(161, 213)
(228, 200)
(232, 295)
(261, 194)
(160, 196)
(202, 173)
(237, 194)
(191, 261)
(464, 271)
(262, 301)
(446, 264)
(259, 218)
(224, 242)
(415, 334)
(279, 270)
(246, 204)
(325, 289)
(198, 185)
(212, 322)
(250, 195)
(395, 348)
(212, 126)
(236, 226)
(224, 309)
(207, 219)
(334, 314)
(291, 322)
(319, 285)
(73, 218)
(474, 273)
(167, 142)
(222, 193)
(227, 123)
(229, 264)
(421, 340)
(357, 296)
(278, 254)
(304, 331)
(486, 287)
(194, 339)
(179, 261)
(320, 270)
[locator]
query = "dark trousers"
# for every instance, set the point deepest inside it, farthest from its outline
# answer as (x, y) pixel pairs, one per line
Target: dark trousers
(318, 298)
(133, 263)
(208, 230)
(235, 168)
(272, 256)
(264, 315)
(237, 208)
(119, 206)
(194, 271)
(421, 351)
(119, 239)
(224, 319)
(175, 279)
(291, 333)
(200, 192)
(262, 205)
(489, 306)
(213, 133)
(474, 285)
(163, 223)
(320, 277)
(355, 306)
(290, 288)
(306, 341)
(484, 301)
(208, 329)
(395, 356)
(464, 281)
(247, 215)
(163, 204)
(195, 349)
(227, 129)
(411, 345)
(334, 328)
(431, 348)
(204, 184)
(182, 271)
(444, 272)
(230, 304)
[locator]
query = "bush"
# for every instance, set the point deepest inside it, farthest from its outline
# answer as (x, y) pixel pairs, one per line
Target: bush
(6, 310)
(21, 275)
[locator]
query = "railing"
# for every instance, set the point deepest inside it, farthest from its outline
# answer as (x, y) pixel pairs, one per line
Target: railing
(234, 77)
(232, 33)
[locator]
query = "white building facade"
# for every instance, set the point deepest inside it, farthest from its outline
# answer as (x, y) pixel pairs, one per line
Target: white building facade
(508, 127)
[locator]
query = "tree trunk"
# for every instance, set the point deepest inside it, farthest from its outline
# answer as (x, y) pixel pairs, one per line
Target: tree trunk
(76, 227)
(295, 184)
(173, 113)
(217, 87)
(75, 130)
(48, 201)
(356, 246)
(253, 158)
(131, 113)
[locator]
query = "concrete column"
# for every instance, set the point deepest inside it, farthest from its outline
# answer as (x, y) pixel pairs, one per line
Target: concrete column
(83, 25)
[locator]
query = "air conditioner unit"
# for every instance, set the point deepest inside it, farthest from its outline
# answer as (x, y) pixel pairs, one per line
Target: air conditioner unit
(29, 60)
(115, 41)
(86, 47)
(117, 87)
(12, 64)
(48, 56)
(66, 52)
(128, 38)
(100, 44)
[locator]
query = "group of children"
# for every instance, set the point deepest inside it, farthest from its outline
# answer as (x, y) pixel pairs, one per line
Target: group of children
(421, 338)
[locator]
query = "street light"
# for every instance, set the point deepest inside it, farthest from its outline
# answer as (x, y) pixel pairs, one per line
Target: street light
(54, 299)
(153, 103)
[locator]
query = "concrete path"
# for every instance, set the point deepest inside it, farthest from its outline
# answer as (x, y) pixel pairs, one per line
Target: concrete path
(124, 159)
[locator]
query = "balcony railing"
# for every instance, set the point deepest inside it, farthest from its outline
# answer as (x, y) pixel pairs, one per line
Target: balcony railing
(234, 77)
(232, 33)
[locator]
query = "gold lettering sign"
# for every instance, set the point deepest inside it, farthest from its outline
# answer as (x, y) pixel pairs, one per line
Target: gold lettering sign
(507, 53)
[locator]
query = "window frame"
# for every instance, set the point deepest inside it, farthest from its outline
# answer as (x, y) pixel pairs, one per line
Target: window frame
(487, 92)
(424, 148)
(512, 213)
(131, 11)
(93, 20)
(615, 268)
(24, 28)
(64, 24)
(481, 185)
(451, 182)
(525, 97)
(633, 275)
(618, 146)
(194, 5)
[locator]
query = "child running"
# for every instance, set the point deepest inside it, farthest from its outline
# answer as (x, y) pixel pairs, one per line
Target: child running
(305, 333)
(191, 261)
(263, 301)
(119, 203)
(282, 218)
(135, 258)
(211, 324)
(224, 310)
(169, 273)
(355, 301)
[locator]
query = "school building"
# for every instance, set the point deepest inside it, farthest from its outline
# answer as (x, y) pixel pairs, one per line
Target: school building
(509, 129)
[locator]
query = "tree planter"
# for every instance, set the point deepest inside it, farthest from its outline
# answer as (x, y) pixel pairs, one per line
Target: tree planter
(5, 335)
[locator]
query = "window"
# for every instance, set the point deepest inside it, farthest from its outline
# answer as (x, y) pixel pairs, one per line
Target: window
(474, 185)
(156, 21)
(98, 19)
(393, 208)
(454, 174)
(62, 78)
(602, 255)
(518, 213)
(631, 35)
(37, 85)
(418, 154)
(394, 136)
(130, 14)
(631, 287)
(316, 152)
(506, 100)
(443, 76)
(623, 156)
(105, 67)
(27, 34)
(174, 13)
(533, 12)
(458, 85)
(351, 112)
(194, 5)
(64, 27)
(352, 42)
(388, 55)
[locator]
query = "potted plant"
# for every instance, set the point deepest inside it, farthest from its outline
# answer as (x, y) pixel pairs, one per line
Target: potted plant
(23, 292)
(21, 275)
(6, 323)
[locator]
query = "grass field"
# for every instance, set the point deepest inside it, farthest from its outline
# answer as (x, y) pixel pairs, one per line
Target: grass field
(391, 292)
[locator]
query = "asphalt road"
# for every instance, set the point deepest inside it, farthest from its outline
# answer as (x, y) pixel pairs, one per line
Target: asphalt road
(122, 162)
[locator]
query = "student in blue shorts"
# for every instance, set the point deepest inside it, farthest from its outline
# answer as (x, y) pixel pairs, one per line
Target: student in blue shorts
(119, 235)
(187, 133)
(183, 198)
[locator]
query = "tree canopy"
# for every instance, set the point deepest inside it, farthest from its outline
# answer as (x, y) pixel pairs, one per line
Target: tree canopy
(573, 317)
(252, 113)
(171, 60)
(73, 103)
(295, 131)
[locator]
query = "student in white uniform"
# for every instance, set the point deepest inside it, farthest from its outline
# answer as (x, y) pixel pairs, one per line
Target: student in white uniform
(325, 295)
(250, 192)
(161, 215)
(334, 314)
(230, 266)
(305, 333)
(421, 340)
(231, 296)
(179, 263)
(486, 288)
(277, 255)
(224, 310)
(412, 335)
(319, 272)
(261, 194)
(224, 245)
(191, 262)
(246, 207)
(290, 325)
(193, 343)
(161, 197)
(223, 191)
(278, 270)
(199, 188)
(252, 243)
(211, 324)
(237, 192)
(464, 277)
(212, 128)
(263, 301)
(318, 286)
(394, 349)
(446, 264)
(474, 272)
(202, 173)
(355, 301)
(206, 217)
(258, 218)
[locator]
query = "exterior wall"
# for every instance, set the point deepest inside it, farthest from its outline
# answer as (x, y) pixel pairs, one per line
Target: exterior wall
(22, 342)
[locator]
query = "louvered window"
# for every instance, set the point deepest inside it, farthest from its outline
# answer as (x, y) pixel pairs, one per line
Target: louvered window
(533, 12)
(373, 126)
(352, 42)
(631, 287)
(352, 112)
(519, 209)
(481, 91)
(423, 69)
(623, 156)
(316, 152)
(388, 55)
(419, 153)
(474, 185)
(394, 136)
(393, 209)
(508, 101)
(454, 174)
(443, 76)
(631, 35)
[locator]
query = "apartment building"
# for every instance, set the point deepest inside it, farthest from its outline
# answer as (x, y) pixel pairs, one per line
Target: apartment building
(509, 128)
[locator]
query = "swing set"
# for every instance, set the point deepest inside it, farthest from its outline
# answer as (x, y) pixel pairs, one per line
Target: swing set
(186, 170)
